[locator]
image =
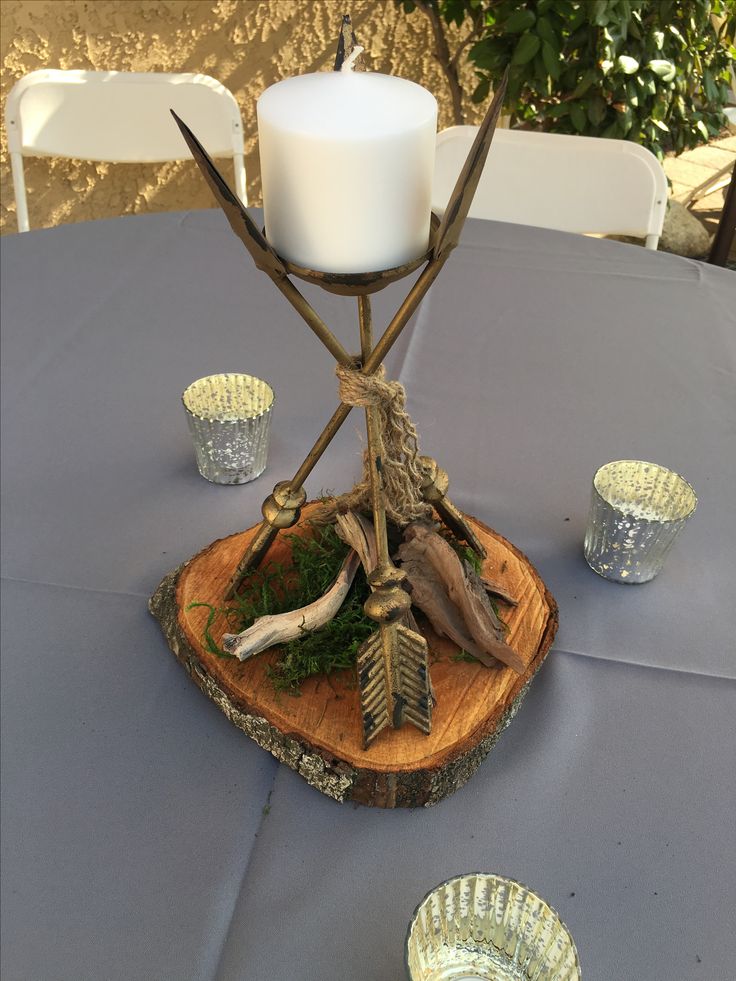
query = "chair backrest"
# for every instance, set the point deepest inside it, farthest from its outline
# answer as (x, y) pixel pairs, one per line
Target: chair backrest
(572, 183)
(118, 116)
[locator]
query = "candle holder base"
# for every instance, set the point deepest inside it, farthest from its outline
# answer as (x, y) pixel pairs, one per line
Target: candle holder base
(363, 283)
(319, 734)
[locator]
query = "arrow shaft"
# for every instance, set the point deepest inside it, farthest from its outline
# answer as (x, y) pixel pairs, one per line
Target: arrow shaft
(402, 316)
(389, 643)
(313, 320)
(375, 441)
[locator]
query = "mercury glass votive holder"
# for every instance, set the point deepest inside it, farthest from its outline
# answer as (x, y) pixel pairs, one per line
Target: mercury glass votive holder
(485, 927)
(637, 510)
(229, 417)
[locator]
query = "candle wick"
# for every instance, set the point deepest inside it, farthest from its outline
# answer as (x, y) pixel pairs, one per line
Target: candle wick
(347, 65)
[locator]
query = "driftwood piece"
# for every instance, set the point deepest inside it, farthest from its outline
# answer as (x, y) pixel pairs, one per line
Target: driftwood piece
(494, 589)
(428, 587)
(428, 594)
(280, 628)
(320, 734)
(358, 532)
(464, 589)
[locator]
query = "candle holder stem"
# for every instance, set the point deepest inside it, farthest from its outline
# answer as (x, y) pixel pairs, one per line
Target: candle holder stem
(279, 515)
(375, 441)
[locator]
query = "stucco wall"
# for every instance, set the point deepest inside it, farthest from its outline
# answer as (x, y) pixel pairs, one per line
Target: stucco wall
(246, 44)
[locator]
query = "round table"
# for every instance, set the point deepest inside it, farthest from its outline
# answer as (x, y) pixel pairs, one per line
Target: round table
(143, 835)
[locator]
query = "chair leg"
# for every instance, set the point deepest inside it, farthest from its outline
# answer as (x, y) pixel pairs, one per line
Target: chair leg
(714, 182)
(651, 242)
(239, 170)
(19, 188)
(726, 226)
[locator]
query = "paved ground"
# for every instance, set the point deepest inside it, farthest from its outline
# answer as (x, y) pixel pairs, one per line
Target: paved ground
(693, 168)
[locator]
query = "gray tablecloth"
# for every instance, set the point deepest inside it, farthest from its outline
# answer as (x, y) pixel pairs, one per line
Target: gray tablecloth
(146, 838)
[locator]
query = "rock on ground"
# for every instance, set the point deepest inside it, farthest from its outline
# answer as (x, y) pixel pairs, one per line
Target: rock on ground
(683, 234)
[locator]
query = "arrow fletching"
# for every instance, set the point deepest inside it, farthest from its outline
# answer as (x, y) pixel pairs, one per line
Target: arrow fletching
(393, 676)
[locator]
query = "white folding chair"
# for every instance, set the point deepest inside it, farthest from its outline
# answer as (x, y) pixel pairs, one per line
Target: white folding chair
(121, 117)
(572, 183)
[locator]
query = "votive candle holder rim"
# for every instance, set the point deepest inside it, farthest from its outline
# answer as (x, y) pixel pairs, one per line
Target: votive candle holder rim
(485, 875)
(625, 510)
(228, 374)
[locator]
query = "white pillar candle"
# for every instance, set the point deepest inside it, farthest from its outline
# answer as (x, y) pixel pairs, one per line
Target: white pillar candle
(347, 160)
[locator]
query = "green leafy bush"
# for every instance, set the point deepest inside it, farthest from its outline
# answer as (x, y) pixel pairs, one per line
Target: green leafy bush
(652, 71)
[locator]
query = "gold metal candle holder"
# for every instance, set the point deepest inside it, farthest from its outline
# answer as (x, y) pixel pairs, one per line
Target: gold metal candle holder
(392, 664)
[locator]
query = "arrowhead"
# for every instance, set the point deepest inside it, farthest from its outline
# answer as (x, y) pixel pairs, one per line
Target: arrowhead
(463, 193)
(240, 221)
(345, 44)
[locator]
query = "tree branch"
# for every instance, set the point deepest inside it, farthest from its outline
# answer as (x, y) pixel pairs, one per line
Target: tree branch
(442, 56)
(474, 33)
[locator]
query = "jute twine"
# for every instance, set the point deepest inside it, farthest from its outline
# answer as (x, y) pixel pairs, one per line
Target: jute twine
(401, 471)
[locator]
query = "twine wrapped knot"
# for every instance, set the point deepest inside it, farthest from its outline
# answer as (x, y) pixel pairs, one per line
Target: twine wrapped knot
(401, 471)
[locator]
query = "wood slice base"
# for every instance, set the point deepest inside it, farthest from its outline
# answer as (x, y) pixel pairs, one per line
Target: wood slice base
(319, 734)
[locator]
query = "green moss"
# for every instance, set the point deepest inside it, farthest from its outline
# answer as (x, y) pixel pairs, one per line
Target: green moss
(316, 560)
(465, 656)
(464, 551)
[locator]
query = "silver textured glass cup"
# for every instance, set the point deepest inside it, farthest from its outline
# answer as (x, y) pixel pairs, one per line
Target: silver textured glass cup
(229, 417)
(490, 928)
(637, 510)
